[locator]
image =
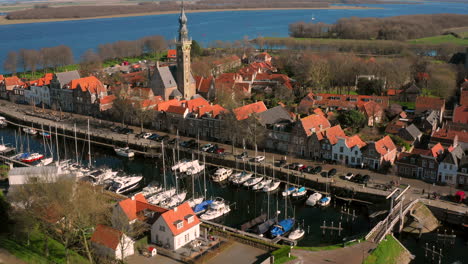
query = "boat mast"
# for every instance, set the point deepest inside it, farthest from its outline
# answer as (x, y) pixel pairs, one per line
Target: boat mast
(178, 149)
(164, 165)
(255, 174)
(64, 142)
(204, 176)
(193, 182)
(76, 143)
(286, 198)
(175, 174)
(43, 139)
(56, 143)
(51, 143)
(89, 146)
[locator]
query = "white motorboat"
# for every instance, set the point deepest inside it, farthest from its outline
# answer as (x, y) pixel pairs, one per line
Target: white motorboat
(301, 192)
(101, 175)
(125, 184)
(159, 197)
(45, 162)
(296, 234)
(261, 185)
(194, 168)
(243, 177)
(179, 165)
(252, 181)
(324, 201)
(151, 190)
(30, 131)
(125, 152)
(313, 199)
(221, 174)
(273, 186)
(217, 208)
(175, 200)
(289, 191)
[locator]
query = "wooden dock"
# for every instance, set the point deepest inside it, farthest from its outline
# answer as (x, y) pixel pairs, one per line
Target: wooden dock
(5, 158)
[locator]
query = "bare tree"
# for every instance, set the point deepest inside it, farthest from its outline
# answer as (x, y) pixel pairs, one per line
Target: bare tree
(11, 62)
(90, 62)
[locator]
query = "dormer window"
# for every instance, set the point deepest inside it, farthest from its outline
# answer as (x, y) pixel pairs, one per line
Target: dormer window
(189, 218)
(179, 224)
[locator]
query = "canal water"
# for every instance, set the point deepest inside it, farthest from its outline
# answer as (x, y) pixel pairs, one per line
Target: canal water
(247, 204)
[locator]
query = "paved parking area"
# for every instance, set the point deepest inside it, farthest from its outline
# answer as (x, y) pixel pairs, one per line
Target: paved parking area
(239, 253)
(139, 259)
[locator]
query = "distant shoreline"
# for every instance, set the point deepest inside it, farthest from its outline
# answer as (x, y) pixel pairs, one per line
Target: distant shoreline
(4, 21)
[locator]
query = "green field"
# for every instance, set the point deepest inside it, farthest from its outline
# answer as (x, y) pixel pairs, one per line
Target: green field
(34, 252)
(387, 252)
(441, 40)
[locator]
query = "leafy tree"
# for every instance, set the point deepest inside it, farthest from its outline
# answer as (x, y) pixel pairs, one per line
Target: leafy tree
(196, 50)
(400, 142)
(353, 118)
(370, 87)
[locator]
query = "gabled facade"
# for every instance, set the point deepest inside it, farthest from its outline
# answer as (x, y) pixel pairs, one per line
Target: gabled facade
(380, 153)
(348, 150)
(420, 163)
(176, 227)
(111, 243)
(449, 165)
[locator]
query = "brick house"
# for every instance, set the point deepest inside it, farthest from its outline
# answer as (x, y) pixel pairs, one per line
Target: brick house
(86, 94)
(380, 153)
(339, 101)
(320, 144)
(420, 163)
(428, 104)
(303, 130)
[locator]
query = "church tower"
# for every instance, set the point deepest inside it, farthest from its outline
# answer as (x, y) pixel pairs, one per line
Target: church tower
(185, 80)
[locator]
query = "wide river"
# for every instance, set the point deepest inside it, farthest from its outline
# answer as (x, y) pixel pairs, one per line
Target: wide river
(82, 35)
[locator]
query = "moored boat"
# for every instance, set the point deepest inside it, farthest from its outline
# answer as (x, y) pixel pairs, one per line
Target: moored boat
(313, 199)
(261, 184)
(282, 227)
(273, 186)
(125, 152)
(324, 201)
(289, 191)
(217, 209)
(296, 234)
(301, 192)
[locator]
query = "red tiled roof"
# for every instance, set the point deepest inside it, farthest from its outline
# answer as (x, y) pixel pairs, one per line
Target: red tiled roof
(196, 103)
(215, 110)
(131, 207)
(13, 80)
(314, 122)
(2, 77)
(107, 99)
(174, 109)
(355, 141)
(134, 77)
(172, 53)
(203, 84)
(319, 111)
(340, 101)
(372, 109)
(437, 150)
(180, 213)
(91, 84)
(460, 114)
(464, 97)
(245, 111)
(450, 134)
(392, 92)
(106, 236)
(332, 134)
(241, 87)
(429, 103)
(394, 127)
(384, 145)
(163, 106)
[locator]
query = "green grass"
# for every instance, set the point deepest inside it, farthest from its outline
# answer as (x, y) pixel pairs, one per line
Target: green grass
(441, 39)
(387, 252)
(332, 247)
(4, 169)
(284, 259)
(34, 253)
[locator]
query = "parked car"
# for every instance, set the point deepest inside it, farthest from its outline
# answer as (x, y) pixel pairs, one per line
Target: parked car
(302, 168)
(153, 136)
(293, 166)
(146, 135)
(281, 163)
(259, 158)
(243, 155)
(220, 151)
(115, 129)
(349, 176)
(126, 131)
(331, 173)
(357, 178)
(206, 147)
(310, 169)
(213, 149)
(317, 169)
(365, 179)
(162, 138)
(172, 141)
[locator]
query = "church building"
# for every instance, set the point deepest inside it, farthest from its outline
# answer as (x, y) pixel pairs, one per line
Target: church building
(176, 81)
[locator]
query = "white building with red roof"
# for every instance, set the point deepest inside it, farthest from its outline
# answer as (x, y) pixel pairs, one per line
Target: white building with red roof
(348, 150)
(176, 228)
(111, 243)
(379, 153)
(135, 208)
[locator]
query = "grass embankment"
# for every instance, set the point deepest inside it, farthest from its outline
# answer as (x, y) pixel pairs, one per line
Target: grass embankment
(4, 169)
(441, 39)
(34, 253)
(389, 251)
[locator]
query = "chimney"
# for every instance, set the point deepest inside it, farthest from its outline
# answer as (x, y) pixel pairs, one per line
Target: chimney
(175, 209)
(133, 198)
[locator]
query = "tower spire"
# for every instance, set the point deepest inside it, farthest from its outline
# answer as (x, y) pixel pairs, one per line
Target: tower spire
(183, 31)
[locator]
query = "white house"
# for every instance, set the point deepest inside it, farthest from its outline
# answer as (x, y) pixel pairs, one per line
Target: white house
(176, 228)
(448, 166)
(348, 150)
(37, 95)
(109, 242)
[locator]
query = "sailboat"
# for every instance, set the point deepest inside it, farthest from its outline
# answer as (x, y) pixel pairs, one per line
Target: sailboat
(297, 233)
(49, 160)
(288, 190)
(30, 130)
(325, 201)
(241, 178)
(299, 193)
(285, 225)
(273, 185)
(204, 204)
(253, 181)
(125, 152)
(3, 122)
